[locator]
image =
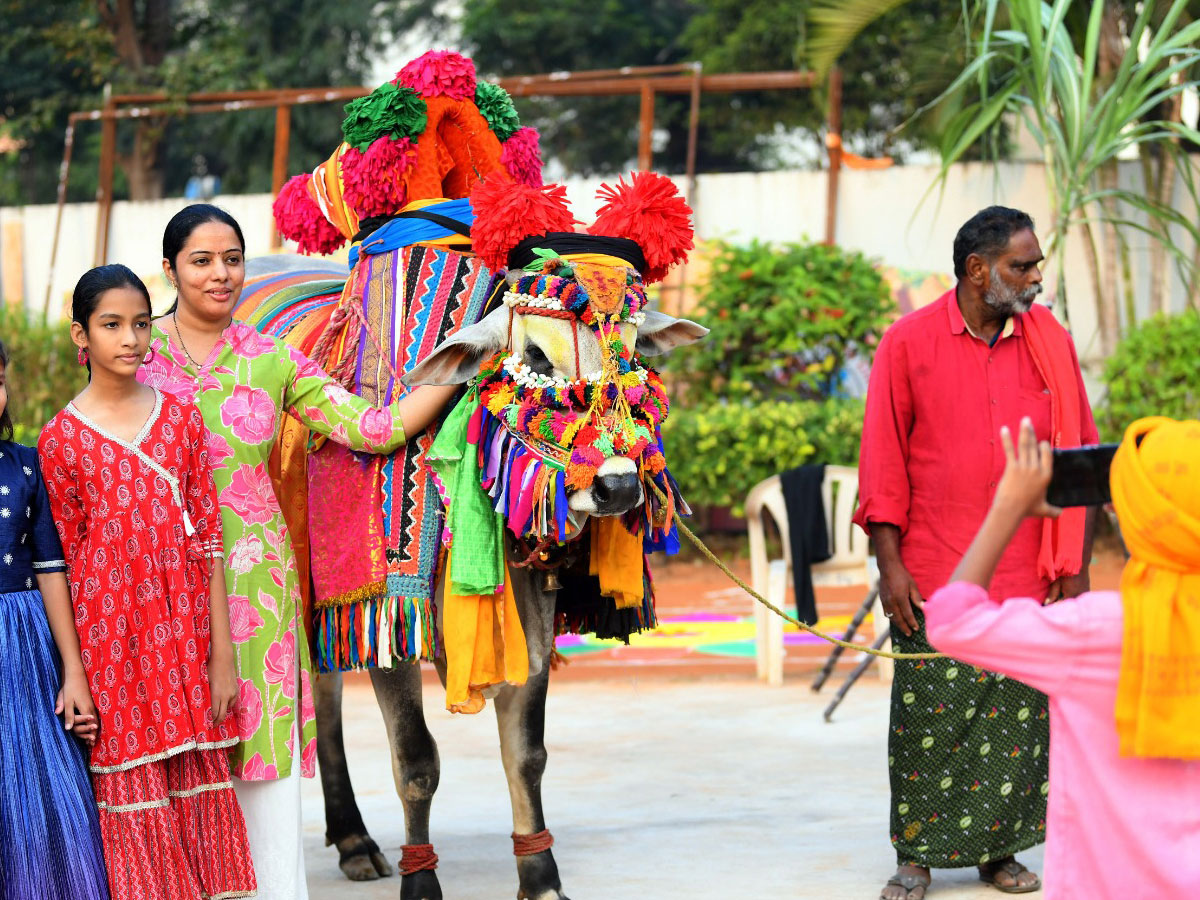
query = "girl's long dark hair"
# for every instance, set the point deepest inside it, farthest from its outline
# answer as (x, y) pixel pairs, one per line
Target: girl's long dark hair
(6, 422)
(94, 283)
(187, 220)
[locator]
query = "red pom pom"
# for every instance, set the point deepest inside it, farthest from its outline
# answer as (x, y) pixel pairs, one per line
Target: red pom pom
(522, 157)
(373, 182)
(300, 219)
(650, 211)
(507, 213)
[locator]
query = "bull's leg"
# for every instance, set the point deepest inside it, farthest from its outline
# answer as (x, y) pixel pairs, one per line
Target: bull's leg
(359, 856)
(415, 768)
(521, 717)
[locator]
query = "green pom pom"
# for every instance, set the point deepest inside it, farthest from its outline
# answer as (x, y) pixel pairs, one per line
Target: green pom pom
(391, 110)
(497, 107)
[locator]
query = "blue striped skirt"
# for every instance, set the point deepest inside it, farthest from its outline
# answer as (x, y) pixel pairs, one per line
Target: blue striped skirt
(49, 832)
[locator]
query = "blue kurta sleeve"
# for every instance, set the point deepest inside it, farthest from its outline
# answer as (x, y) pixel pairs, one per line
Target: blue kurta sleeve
(46, 547)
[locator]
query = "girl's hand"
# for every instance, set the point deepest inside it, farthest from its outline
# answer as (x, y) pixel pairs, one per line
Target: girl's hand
(1022, 488)
(75, 705)
(222, 683)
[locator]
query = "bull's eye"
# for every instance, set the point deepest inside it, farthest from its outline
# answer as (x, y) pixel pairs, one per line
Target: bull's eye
(536, 359)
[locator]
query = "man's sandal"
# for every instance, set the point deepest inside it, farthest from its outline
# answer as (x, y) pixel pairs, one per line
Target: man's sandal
(910, 883)
(989, 871)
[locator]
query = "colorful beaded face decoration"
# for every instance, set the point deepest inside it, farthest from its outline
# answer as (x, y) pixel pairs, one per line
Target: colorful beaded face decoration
(575, 425)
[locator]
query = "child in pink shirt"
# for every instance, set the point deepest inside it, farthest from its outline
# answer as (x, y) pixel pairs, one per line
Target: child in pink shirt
(1117, 826)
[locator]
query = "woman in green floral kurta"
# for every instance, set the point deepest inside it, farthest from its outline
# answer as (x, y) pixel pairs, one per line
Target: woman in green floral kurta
(243, 383)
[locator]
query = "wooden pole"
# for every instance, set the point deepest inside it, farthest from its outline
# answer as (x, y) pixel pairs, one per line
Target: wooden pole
(104, 190)
(283, 128)
(690, 172)
(833, 140)
(646, 128)
(64, 174)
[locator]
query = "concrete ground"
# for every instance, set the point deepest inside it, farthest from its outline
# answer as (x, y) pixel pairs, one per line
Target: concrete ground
(656, 790)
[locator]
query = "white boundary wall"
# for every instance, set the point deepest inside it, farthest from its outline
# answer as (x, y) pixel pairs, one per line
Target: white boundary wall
(880, 213)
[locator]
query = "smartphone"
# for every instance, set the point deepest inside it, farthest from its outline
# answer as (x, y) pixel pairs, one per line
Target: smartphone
(1080, 476)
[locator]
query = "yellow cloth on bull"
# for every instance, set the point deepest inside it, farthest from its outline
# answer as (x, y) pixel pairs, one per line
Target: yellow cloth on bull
(616, 559)
(325, 188)
(484, 643)
(1156, 492)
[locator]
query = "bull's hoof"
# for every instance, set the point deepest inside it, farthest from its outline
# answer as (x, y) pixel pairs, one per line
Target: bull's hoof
(539, 877)
(422, 885)
(550, 894)
(360, 859)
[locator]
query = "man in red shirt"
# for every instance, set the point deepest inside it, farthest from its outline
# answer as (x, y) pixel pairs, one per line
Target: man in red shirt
(968, 749)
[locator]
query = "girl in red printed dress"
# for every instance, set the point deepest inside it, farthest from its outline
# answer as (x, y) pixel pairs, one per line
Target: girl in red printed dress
(132, 495)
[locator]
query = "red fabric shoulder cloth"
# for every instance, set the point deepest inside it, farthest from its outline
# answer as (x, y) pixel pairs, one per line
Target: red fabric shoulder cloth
(1050, 346)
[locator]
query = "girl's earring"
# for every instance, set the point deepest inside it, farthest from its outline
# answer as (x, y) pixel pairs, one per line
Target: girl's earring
(82, 356)
(149, 357)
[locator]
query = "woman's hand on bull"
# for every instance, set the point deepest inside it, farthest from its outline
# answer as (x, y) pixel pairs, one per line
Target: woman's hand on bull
(419, 408)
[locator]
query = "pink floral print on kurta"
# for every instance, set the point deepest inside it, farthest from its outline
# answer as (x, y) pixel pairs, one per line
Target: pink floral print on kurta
(243, 389)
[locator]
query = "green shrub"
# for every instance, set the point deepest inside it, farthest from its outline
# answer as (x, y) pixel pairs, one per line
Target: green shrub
(719, 451)
(43, 373)
(783, 318)
(1153, 372)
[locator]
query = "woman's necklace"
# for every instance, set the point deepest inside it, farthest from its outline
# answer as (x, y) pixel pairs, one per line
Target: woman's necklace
(175, 322)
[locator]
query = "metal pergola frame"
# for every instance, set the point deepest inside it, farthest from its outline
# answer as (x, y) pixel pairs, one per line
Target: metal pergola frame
(645, 81)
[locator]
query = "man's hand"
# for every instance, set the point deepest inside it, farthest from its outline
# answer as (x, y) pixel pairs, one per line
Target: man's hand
(1067, 586)
(900, 597)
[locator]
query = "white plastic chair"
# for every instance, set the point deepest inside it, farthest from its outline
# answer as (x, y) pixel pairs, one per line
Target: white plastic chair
(849, 563)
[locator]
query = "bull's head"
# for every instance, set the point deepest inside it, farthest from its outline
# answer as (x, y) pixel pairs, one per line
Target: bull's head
(559, 365)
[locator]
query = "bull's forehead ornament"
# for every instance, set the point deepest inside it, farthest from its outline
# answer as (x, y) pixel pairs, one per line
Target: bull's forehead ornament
(546, 431)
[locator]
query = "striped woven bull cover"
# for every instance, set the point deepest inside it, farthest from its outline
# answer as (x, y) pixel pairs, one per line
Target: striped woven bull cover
(375, 523)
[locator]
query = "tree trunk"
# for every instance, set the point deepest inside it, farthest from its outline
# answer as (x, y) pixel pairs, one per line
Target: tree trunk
(1107, 317)
(1161, 189)
(1108, 293)
(142, 166)
(141, 46)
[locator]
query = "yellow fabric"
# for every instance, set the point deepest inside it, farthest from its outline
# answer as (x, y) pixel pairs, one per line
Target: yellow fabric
(484, 643)
(326, 189)
(597, 259)
(1156, 492)
(617, 559)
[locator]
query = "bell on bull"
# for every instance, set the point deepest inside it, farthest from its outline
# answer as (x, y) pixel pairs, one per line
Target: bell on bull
(553, 456)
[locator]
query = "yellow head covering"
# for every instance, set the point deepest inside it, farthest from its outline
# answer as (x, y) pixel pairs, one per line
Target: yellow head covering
(1156, 492)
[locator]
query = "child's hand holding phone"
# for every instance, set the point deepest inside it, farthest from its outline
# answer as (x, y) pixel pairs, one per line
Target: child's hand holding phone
(1027, 474)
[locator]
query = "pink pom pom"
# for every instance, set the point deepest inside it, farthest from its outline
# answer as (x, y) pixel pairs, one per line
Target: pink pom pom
(373, 182)
(649, 211)
(507, 213)
(521, 156)
(300, 219)
(439, 73)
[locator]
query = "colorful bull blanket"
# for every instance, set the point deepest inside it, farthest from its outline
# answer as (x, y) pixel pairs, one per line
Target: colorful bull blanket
(374, 574)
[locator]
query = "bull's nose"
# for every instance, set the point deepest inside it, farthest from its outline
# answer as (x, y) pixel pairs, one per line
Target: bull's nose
(616, 494)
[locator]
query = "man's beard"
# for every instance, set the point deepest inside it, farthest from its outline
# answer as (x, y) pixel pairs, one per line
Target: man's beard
(1006, 300)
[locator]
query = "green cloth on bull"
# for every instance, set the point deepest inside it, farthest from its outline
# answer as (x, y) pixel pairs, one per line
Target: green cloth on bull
(477, 563)
(967, 759)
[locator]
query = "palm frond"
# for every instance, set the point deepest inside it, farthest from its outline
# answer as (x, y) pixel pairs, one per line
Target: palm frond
(836, 23)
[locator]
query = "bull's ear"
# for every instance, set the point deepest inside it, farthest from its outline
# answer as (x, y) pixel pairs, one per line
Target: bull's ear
(661, 333)
(457, 359)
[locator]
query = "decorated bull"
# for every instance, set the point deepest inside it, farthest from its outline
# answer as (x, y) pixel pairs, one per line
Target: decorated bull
(530, 510)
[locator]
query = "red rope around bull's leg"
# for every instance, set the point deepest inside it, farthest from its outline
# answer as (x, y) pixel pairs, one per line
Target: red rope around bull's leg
(529, 844)
(417, 858)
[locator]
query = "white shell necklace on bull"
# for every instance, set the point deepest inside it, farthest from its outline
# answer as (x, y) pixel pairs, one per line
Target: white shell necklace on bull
(530, 438)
